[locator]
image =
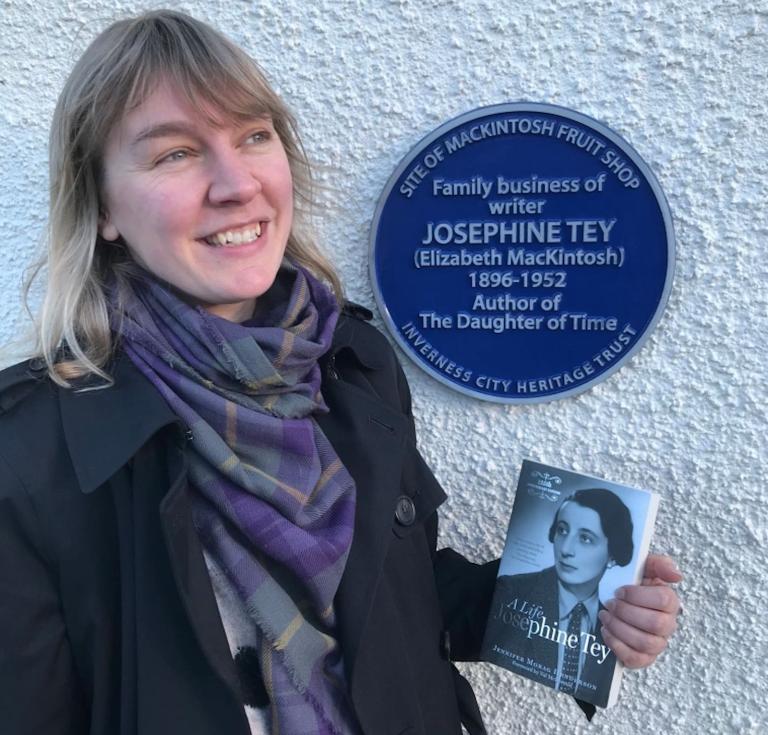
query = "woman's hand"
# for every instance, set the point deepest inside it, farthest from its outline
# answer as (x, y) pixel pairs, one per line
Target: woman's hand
(640, 620)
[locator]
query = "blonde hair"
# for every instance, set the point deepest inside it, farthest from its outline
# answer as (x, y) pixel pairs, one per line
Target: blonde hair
(118, 71)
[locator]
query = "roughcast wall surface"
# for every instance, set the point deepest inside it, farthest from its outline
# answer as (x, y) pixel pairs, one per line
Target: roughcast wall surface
(684, 82)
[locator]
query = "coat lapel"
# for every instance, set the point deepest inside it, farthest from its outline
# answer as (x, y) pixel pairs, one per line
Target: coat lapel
(370, 439)
(128, 422)
(191, 575)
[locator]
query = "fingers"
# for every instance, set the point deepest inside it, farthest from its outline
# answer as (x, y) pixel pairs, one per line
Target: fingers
(645, 620)
(635, 638)
(653, 596)
(630, 657)
(663, 568)
(638, 623)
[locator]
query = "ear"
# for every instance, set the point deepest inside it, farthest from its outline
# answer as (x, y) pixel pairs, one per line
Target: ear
(107, 228)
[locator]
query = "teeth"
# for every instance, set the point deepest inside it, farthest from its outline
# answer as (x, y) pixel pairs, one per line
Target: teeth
(228, 238)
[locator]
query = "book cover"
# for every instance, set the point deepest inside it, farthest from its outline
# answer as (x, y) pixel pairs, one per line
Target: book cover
(572, 541)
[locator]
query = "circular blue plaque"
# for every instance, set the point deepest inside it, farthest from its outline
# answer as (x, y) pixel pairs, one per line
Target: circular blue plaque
(521, 252)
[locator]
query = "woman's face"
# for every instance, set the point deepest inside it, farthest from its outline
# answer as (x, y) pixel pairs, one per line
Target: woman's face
(207, 208)
(581, 547)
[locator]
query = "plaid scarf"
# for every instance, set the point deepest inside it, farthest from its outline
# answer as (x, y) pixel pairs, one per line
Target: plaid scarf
(272, 502)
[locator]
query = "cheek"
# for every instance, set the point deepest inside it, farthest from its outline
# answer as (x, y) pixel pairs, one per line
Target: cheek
(153, 210)
(282, 185)
(166, 213)
(598, 558)
(153, 229)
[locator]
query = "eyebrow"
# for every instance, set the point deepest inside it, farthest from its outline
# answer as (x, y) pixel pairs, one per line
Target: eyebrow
(164, 130)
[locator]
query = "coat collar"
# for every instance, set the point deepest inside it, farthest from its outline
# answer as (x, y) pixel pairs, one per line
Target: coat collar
(350, 334)
(105, 427)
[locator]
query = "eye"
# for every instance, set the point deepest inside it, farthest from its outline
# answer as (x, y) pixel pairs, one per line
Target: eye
(562, 529)
(175, 156)
(585, 538)
(259, 136)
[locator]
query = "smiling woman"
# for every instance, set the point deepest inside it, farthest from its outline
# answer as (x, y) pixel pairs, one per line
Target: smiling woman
(213, 513)
(204, 204)
(148, 94)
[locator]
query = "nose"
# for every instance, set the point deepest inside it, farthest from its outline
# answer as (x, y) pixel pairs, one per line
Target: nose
(566, 547)
(233, 179)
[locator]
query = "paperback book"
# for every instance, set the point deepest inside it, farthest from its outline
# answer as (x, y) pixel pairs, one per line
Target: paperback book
(572, 541)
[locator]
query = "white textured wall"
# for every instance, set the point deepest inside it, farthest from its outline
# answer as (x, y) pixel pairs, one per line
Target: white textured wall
(685, 83)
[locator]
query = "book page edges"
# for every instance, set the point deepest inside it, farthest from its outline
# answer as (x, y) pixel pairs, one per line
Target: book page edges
(642, 556)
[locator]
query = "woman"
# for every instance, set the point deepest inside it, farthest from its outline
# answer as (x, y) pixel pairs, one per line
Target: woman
(590, 533)
(212, 503)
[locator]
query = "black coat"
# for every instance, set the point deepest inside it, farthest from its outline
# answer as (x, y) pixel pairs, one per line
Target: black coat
(108, 622)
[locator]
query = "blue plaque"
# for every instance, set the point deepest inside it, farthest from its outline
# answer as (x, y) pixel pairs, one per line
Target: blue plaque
(521, 252)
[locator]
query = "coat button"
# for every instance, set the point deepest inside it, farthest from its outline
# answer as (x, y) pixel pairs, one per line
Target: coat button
(405, 511)
(37, 365)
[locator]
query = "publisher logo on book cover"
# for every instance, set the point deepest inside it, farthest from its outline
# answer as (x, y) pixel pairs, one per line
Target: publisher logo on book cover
(544, 485)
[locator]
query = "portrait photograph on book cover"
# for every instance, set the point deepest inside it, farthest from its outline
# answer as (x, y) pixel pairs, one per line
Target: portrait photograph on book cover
(573, 540)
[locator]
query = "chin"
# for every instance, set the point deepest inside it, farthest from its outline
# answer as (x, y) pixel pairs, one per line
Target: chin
(244, 291)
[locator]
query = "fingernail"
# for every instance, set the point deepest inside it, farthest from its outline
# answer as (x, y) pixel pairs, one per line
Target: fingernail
(604, 632)
(621, 593)
(604, 616)
(610, 605)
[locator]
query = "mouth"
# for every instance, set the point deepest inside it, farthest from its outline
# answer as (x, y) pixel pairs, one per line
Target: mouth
(235, 237)
(565, 566)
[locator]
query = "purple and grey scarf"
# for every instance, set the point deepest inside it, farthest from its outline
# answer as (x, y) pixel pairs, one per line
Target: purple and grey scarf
(273, 504)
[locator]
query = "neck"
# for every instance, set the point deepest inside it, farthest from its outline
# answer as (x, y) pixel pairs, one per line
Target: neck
(582, 591)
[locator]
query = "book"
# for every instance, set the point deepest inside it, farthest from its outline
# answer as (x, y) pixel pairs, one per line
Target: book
(572, 541)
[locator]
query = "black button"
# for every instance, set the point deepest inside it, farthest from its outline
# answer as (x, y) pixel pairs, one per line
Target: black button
(37, 365)
(405, 511)
(445, 645)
